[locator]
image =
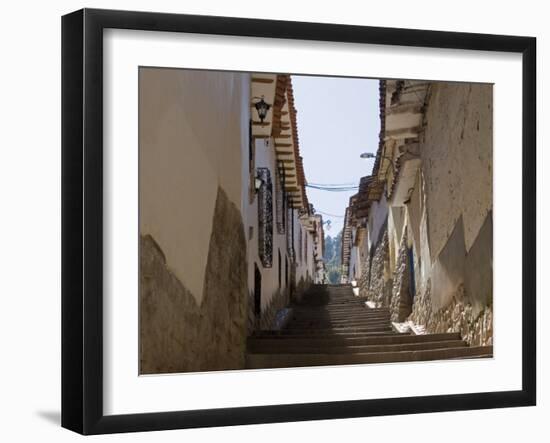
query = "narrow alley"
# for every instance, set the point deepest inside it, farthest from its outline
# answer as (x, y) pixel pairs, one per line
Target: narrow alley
(290, 221)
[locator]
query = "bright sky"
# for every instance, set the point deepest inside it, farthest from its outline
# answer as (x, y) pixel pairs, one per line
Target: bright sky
(338, 119)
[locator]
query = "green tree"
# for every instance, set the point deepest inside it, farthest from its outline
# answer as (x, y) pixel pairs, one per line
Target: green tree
(332, 257)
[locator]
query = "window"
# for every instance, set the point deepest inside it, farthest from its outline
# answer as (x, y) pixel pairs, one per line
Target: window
(280, 201)
(257, 292)
(265, 218)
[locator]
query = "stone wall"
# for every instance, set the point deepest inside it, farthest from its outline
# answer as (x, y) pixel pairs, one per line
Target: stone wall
(469, 288)
(474, 325)
(376, 286)
(401, 301)
(365, 276)
(176, 333)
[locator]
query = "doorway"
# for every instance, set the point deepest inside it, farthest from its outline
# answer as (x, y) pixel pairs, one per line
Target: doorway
(257, 294)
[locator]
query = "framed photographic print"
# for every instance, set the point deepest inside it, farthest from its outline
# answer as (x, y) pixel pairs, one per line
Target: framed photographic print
(269, 221)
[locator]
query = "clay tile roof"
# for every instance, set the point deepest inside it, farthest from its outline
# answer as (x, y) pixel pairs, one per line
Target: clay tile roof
(374, 187)
(278, 103)
(293, 123)
(382, 104)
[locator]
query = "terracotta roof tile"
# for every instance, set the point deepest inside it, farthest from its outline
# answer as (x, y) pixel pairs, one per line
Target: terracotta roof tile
(294, 125)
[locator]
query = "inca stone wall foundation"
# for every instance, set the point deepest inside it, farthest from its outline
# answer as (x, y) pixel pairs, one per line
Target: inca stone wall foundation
(177, 334)
(401, 300)
(377, 284)
(476, 328)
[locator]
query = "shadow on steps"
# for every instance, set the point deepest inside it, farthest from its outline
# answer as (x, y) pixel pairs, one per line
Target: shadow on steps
(315, 296)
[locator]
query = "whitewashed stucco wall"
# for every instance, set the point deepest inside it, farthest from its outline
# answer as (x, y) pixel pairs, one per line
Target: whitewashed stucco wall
(189, 148)
(264, 158)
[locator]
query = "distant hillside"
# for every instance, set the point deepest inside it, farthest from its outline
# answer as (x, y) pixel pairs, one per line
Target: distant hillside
(332, 257)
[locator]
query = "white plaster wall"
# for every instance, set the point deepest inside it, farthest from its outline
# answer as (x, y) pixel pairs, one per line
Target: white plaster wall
(354, 263)
(417, 233)
(395, 231)
(305, 264)
(311, 255)
(364, 250)
(378, 214)
(264, 158)
(318, 251)
(459, 177)
(187, 149)
(299, 247)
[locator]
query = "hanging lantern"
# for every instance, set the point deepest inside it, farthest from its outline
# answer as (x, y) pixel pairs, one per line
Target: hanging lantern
(262, 107)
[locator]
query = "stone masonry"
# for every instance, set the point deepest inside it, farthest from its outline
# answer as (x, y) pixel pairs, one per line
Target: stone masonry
(378, 286)
(365, 276)
(177, 334)
(401, 301)
(476, 328)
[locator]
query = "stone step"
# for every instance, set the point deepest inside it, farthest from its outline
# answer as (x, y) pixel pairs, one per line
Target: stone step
(332, 289)
(339, 294)
(358, 339)
(343, 301)
(351, 315)
(340, 317)
(322, 334)
(327, 324)
(336, 310)
(332, 298)
(359, 308)
(258, 361)
(330, 330)
(283, 347)
(329, 311)
(358, 305)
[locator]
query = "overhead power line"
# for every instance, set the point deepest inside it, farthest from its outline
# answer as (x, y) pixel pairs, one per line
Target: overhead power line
(329, 215)
(340, 185)
(333, 188)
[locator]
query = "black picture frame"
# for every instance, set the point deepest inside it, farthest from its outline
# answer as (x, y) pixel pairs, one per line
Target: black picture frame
(82, 220)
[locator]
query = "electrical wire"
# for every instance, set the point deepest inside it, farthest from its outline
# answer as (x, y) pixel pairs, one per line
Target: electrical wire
(333, 189)
(333, 184)
(328, 215)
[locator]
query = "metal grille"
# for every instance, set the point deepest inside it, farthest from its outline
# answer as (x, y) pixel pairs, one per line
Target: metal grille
(265, 218)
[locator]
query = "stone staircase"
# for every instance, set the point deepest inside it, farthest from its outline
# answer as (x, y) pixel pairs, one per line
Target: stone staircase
(330, 326)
